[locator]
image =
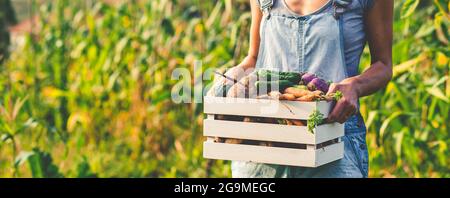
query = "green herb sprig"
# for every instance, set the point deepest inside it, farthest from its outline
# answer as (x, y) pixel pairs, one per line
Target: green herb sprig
(315, 119)
(338, 95)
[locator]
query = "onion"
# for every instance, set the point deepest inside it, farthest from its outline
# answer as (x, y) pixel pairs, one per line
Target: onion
(307, 78)
(318, 84)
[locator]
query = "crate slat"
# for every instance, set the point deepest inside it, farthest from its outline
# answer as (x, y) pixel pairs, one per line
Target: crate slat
(329, 154)
(264, 108)
(272, 155)
(272, 132)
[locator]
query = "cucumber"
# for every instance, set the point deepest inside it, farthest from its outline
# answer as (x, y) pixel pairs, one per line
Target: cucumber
(281, 85)
(293, 77)
(267, 75)
(304, 87)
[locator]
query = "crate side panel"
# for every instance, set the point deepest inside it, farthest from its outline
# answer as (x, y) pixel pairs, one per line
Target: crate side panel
(329, 154)
(329, 132)
(259, 154)
(264, 108)
(258, 131)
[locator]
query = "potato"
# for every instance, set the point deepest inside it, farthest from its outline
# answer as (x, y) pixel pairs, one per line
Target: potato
(264, 97)
(269, 144)
(245, 88)
(233, 141)
(236, 91)
(247, 119)
(276, 95)
(298, 122)
(219, 140)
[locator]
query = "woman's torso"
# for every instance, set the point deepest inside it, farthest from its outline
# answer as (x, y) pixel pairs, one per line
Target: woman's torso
(327, 42)
(305, 7)
(353, 28)
(320, 44)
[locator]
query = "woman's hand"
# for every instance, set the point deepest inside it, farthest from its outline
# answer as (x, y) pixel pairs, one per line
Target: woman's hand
(347, 105)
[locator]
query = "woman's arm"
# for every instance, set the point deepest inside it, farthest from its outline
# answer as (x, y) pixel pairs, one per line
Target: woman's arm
(379, 22)
(250, 61)
(248, 64)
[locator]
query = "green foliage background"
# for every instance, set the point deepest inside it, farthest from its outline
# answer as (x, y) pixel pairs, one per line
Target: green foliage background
(88, 94)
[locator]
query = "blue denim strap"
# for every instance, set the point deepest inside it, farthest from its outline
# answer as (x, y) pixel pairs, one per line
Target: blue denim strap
(340, 7)
(265, 6)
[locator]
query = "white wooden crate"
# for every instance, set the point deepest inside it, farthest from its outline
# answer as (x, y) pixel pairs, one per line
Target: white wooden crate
(264, 108)
(310, 156)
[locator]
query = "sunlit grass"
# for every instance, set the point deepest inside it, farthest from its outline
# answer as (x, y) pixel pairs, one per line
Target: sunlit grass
(95, 85)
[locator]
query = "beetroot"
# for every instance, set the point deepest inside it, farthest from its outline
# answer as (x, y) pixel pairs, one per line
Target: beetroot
(307, 78)
(318, 84)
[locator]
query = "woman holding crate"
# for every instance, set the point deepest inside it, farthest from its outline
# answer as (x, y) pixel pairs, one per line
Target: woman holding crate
(327, 38)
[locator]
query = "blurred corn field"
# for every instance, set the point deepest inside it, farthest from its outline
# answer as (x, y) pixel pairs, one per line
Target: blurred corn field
(88, 92)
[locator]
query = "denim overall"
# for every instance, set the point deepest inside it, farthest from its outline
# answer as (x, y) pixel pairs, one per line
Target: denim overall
(310, 43)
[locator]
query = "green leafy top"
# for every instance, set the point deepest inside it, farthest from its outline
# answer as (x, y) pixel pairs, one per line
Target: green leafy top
(338, 95)
(315, 119)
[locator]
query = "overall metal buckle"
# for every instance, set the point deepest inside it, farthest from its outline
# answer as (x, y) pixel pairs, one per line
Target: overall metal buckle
(266, 6)
(338, 10)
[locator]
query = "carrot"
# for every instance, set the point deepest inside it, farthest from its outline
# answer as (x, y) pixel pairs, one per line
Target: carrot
(288, 96)
(307, 98)
(298, 122)
(318, 93)
(328, 98)
(297, 92)
(289, 122)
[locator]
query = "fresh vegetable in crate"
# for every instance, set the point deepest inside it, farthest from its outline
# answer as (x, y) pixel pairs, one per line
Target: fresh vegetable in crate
(268, 86)
(267, 75)
(245, 88)
(293, 86)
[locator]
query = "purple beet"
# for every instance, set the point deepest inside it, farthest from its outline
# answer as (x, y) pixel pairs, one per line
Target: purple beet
(308, 77)
(318, 84)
